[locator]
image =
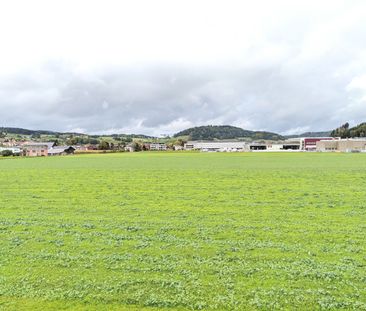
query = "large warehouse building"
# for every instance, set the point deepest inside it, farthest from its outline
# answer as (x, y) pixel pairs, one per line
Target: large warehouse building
(215, 145)
(342, 145)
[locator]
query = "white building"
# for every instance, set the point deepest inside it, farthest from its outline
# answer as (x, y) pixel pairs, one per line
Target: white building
(213, 146)
(157, 146)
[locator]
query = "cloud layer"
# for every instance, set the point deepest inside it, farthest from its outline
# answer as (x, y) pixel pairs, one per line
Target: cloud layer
(286, 69)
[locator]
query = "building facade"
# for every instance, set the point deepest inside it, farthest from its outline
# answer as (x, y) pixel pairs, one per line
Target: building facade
(61, 150)
(37, 149)
(309, 143)
(342, 145)
(214, 146)
(157, 147)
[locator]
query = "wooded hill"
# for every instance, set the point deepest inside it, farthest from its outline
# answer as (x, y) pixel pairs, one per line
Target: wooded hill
(211, 132)
(21, 131)
(345, 131)
(310, 134)
(26, 132)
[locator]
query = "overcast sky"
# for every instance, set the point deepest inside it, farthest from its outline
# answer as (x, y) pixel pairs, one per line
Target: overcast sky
(157, 67)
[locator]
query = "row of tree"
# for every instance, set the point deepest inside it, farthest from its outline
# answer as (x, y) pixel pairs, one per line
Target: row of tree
(345, 131)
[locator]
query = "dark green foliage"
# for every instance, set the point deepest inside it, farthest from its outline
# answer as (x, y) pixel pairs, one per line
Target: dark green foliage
(35, 136)
(137, 146)
(342, 131)
(7, 153)
(104, 145)
(21, 131)
(358, 131)
(310, 134)
(81, 138)
(345, 131)
(211, 132)
(93, 141)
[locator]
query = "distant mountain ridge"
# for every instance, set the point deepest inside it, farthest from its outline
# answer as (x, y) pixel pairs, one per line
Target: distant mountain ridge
(310, 134)
(211, 132)
(21, 131)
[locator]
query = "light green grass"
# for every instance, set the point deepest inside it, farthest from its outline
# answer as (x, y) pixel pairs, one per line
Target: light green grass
(183, 231)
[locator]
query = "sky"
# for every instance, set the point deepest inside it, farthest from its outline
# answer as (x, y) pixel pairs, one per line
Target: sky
(160, 66)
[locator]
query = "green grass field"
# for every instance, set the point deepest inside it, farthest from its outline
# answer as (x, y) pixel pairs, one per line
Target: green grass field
(183, 231)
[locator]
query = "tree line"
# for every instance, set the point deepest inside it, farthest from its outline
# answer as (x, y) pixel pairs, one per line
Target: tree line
(344, 131)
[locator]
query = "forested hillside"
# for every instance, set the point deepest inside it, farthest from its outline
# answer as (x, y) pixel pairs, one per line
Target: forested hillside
(345, 131)
(310, 134)
(210, 132)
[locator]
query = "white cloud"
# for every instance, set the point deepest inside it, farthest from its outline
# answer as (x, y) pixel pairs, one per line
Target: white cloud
(357, 83)
(160, 66)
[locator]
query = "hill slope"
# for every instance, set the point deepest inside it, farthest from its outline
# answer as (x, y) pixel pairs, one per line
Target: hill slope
(210, 132)
(345, 131)
(310, 134)
(27, 132)
(21, 131)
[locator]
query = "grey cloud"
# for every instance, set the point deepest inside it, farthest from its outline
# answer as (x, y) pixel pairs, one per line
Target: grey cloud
(280, 96)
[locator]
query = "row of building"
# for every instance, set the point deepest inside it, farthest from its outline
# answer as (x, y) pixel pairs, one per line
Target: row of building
(322, 144)
(42, 149)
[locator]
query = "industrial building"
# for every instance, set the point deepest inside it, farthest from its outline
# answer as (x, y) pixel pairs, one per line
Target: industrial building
(287, 146)
(309, 143)
(213, 146)
(342, 145)
(239, 146)
(258, 146)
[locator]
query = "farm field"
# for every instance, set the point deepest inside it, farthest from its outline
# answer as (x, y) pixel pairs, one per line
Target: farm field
(177, 231)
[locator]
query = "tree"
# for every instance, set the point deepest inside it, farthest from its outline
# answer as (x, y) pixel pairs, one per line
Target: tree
(342, 131)
(136, 146)
(93, 141)
(7, 153)
(36, 136)
(104, 145)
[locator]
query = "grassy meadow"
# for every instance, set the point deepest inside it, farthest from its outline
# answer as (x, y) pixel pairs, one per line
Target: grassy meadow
(148, 231)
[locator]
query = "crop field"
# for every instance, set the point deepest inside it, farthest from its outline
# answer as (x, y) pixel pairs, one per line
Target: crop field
(183, 231)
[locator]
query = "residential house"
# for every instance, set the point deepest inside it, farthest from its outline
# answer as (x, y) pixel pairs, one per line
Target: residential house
(158, 147)
(37, 149)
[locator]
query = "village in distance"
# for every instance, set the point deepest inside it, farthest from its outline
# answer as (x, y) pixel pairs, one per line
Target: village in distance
(31, 143)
